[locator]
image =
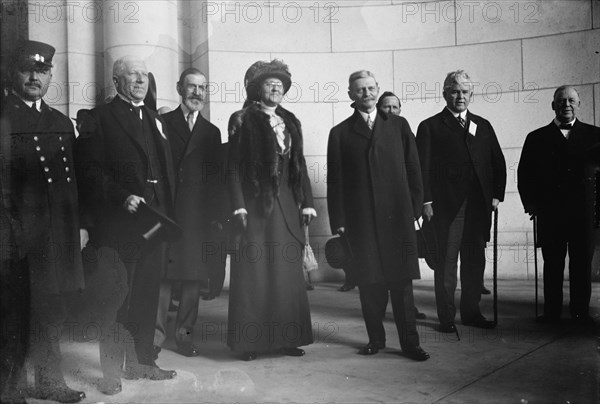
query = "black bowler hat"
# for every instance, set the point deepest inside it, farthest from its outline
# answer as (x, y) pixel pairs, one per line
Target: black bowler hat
(34, 53)
(427, 244)
(338, 252)
(155, 225)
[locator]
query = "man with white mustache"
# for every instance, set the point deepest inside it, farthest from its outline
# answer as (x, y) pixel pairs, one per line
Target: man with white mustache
(374, 194)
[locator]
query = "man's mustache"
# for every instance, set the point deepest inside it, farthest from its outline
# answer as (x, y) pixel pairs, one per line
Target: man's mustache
(34, 83)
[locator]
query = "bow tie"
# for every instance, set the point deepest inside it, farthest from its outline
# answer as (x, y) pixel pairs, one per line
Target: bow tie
(566, 126)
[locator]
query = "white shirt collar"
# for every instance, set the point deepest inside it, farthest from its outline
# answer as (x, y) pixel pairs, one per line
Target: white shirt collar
(463, 114)
(38, 103)
(134, 103)
(372, 114)
(558, 123)
(186, 111)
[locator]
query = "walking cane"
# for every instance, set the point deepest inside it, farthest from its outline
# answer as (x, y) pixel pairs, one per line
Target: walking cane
(535, 263)
(496, 266)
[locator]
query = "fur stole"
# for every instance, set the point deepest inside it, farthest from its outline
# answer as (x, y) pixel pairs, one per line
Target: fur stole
(259, 157)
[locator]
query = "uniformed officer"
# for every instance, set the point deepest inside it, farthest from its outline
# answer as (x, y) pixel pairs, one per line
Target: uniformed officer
(39, 196)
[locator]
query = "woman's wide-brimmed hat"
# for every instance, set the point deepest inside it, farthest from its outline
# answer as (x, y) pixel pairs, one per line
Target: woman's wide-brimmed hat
(265, 70)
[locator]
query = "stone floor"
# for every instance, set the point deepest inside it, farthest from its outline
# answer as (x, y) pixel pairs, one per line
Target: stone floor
(519, 362)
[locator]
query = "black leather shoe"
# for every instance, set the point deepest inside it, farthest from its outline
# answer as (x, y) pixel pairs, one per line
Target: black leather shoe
(309, 286)
(62, 394)
(155, 351)
(419, 315)
(447, 328)
(292, 351)
(140, 371)
(371, 348)
(480, 323)
(583, 319)
(249, 356)
(189, 350)
(110, 386)
(346, 287)
(416, 353)
(209, 296)
(485, 291)
(546, 319)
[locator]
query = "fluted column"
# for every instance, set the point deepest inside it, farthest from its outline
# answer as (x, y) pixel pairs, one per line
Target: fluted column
(147, 29)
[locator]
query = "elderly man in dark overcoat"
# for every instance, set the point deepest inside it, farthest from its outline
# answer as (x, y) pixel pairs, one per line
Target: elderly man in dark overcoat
(199, 207)
(552, 185)
(464, 176)
(39, 195)
(374, 194)
(124, 164)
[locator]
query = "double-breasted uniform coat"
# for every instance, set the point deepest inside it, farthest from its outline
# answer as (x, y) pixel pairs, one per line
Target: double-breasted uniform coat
(39, 195)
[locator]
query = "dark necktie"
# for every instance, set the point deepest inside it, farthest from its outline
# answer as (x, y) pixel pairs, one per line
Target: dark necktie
(461, 121)
(136, 111)
(34, 108)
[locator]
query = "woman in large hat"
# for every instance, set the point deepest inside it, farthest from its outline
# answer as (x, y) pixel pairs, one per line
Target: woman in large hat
(272, 199)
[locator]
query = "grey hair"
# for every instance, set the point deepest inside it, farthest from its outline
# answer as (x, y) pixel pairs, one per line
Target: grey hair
(120, 64)
(360, 74)
(456, 77)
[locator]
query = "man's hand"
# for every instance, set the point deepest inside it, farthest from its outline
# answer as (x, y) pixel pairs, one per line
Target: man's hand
(84, 238)
(495, 203)
(428, 211)
(240, 222)
(132, 202)
(341, 231)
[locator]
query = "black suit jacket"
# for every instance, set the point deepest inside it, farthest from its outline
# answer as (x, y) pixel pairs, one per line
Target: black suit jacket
(551, 176)
(112, 163)
(200, 195)
(374, 191)
(450, 156)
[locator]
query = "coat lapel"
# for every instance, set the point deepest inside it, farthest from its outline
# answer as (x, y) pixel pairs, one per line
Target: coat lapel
(195, 139)
(124, 116)
(179, 123)
(360, 126)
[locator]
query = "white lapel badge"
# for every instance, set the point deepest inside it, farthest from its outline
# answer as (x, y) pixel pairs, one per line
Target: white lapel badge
(472, 128)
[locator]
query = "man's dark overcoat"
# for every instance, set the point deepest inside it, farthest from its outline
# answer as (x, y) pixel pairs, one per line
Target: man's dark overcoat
(40, 194)
(447, 167)
(200, 195)
(551, 177)
(374, 191)
(112, 158)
